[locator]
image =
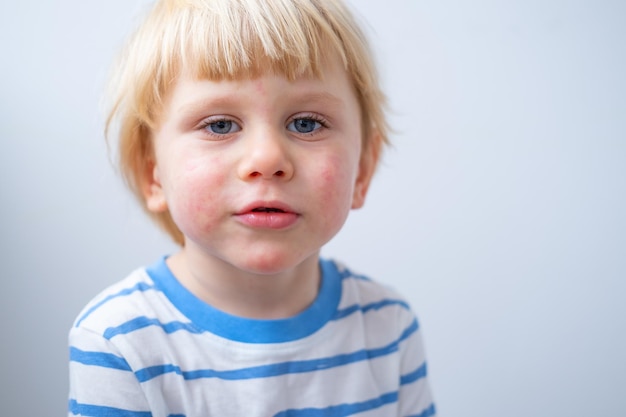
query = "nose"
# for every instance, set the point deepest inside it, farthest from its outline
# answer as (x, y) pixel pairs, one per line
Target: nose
(265, 156)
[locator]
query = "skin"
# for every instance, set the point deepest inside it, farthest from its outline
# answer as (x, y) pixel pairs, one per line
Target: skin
(224, 148)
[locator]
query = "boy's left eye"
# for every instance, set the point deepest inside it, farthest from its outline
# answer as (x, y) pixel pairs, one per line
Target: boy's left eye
(304, 125)
(222, 127)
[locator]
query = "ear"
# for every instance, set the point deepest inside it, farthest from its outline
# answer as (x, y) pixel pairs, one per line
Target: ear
(153, 190)
(367, 166)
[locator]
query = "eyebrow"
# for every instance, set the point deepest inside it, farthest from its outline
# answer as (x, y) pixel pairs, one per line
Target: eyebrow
(320, 98)
(200, 104)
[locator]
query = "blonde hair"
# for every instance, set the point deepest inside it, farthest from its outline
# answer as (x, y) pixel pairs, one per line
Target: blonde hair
(232, 39)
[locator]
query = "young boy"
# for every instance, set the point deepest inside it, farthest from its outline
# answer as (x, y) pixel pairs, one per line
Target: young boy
(248, 129)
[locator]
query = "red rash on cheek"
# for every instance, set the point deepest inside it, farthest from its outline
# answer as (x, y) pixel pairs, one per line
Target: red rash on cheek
(199, 197)
(196, 213)
(191, 168)
(328, 176)
(336, 181)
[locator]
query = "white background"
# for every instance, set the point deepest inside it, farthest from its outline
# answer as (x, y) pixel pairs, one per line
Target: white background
(499, 213)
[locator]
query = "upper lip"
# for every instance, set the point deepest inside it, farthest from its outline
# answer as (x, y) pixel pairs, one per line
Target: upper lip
(269, 206)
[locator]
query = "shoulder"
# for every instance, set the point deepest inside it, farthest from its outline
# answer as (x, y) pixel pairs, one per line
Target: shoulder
(377, 304)
(133, 297)
(364, 289)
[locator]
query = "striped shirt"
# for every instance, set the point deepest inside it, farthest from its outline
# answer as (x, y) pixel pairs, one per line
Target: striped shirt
(148, 347)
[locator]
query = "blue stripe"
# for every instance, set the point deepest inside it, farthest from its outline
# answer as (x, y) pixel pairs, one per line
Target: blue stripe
(90, 410)
(174, 326)
(346, 273)
(409, 331)
(342, 409)
(430, 411)
(414, 376)
(171, 327)
(368, 307)
(278, 369)
(104, 360)
(246, 330)
(141, 322)
(141, 286)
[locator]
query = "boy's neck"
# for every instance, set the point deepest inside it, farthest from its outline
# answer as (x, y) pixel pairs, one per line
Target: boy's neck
(245, 294)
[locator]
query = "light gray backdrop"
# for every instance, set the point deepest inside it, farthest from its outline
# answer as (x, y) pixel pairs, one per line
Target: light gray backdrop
(500, 213)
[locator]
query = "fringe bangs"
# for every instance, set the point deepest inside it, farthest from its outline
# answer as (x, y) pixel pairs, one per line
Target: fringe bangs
(240, 39)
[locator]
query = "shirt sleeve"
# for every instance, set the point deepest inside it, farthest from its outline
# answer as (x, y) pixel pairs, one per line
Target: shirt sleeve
(415, 398)
(102, 382)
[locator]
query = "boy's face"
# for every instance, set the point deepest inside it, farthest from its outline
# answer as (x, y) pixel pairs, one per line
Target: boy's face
(260, 173)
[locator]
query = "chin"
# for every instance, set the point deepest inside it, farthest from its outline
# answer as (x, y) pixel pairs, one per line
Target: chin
(268, 263)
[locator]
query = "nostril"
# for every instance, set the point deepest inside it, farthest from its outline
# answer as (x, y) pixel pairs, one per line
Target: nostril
(277, 174)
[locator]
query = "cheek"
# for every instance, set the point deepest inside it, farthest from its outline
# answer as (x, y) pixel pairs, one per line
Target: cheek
(194, 196)
(337, 184)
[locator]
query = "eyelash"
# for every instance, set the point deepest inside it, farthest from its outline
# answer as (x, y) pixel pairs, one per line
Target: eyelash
(313, 117)
(205, 124)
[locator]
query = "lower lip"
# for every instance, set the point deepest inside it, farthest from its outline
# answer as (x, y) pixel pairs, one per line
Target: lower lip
(268, 220)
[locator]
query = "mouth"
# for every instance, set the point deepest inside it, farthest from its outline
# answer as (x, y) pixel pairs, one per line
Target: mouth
(267, 207)
(267, 210)
(268, 215)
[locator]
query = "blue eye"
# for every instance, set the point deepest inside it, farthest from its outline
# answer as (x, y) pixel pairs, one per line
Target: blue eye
(222, 127)
(304, 125)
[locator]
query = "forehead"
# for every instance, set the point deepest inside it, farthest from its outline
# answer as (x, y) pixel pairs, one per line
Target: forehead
(332, 85)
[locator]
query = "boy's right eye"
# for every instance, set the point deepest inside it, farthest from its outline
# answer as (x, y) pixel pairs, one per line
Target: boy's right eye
(221, 127)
